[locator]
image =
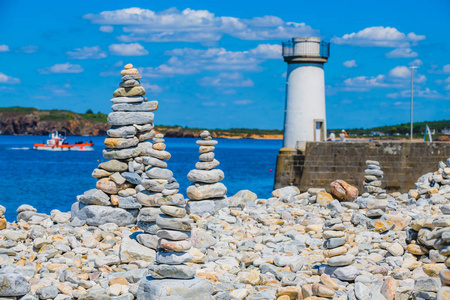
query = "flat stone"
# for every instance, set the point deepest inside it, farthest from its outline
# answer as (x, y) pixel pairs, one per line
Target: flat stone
(148, 240)
(12, 284)
(286, 192)
(129, 92)
(334, 243)
(94, 197)
(211, 176)
(173, 271)
(207, 165)
(164, 155)
(108, 186)
(121, 143)
(149, 214)
(129, 77)
(159, 173)
(114, 166)
(206, 149)
(174, 246)
(155, 162)
(322, 290)
(129, 107)
(396, 249)
(47, 292)
(130, 118)
(201, 191)
(136, 99)
(205, 157)
(348, 273)
(200, 207)
(96, 215)
(148, 227)
(156, 199)
(373, 172)
(173, 258)
(427, 284)
(121, 153)
(174, 235)
(144, 127)
(167, 222)
(131, 250)
(444, 293)
(444, 275)
(174, 289)
(173, 211)
(154, 185)
(206, 142)
(132, 177)
(99, 173)
(341, 260)
(129, 202)
(145, 136)
(129, 83)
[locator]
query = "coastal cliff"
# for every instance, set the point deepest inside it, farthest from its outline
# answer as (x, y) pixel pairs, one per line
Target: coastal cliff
(31, 121)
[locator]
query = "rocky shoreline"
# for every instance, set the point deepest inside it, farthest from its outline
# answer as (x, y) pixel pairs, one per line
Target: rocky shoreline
(311, 245)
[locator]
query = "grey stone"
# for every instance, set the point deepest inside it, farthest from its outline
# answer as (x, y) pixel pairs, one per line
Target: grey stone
(205, 157)
(107, 260)
(131, 107)
(206, 142)
(286, 192)
(373, 172)
(148, 227)
(96, 215)
(133, 99)
(132, 177)
(152, 161)
(130, 118)
(203, 176)
(94, 197)
(159, 173)
(174, 289)
(348, 273)
(173, 271)
(148, 214)
(147, 198)
(341, 260)
(154, 185)
(167, 222)
(129, 83)
(164, 155)
(334, 243)
(207, 165)
(47, 292)
(144, 128)
(148, 240)
(200, 207)
(12, 284)
(121, 153)
(131, 250)
(130, 77)
(427, 284)
(173, 258)
(174, 235)
(25, 207)
(113, 166)
(200, 191)
(128, 202)
(121, 132)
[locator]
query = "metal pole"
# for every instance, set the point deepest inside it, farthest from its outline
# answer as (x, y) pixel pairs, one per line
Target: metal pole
(412, 97)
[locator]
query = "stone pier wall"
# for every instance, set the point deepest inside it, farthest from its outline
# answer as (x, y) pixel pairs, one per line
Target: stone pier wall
(322, 162)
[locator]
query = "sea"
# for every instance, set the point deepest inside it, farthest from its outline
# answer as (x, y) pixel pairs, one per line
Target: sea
(50, 180)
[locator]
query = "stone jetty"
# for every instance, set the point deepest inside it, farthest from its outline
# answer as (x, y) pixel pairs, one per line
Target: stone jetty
(114, 198)
(207, 194)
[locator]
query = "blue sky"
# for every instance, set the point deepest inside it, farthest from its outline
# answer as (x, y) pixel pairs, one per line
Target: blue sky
(217, 64)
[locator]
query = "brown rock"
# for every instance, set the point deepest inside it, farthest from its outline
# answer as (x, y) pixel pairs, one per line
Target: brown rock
(129, 92)
(323, 198)
(344, 191)
(444, 275)
(3, 223)
(118, 280)
(443, 293)
(128, 66)
(121, 143)
(322, 290)
(107, 186)
(290, 291)
(389, 288)
(433, 270)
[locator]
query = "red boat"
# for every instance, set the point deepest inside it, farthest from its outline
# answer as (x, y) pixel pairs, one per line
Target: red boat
(58, 143)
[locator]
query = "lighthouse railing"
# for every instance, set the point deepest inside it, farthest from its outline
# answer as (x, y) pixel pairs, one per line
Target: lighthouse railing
(308, 49)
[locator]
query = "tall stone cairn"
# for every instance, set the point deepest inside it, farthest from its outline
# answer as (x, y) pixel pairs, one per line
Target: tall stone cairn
(374, 174)
(114, 198)
(206, 194)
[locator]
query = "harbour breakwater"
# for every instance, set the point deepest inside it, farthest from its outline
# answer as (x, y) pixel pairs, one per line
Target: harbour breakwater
(323, 162)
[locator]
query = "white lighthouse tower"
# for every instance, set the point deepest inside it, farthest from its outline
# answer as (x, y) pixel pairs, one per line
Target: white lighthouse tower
(305, 119)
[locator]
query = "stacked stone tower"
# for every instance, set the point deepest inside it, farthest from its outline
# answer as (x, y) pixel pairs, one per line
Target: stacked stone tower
(114, 198)
(206, 194)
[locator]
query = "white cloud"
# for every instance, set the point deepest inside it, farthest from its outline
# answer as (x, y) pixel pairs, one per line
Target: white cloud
(8, 79)
(152, 88)
(243, 102)
(425, 93)
(366, 82)
(226, 80)
(416, 63)
(30, 49)
(192, 25)
(400, 72)
(87, 53)
(446, 68)
(350, 63)
(4, 48)
(267, 51)
(401, 53)
(107, 29)
(62, 68)
(378, 36)
(134, 49)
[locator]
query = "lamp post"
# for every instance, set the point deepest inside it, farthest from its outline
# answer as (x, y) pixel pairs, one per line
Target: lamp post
(412, 92)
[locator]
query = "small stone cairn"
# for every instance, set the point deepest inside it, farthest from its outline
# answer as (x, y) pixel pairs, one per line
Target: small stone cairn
(114, 198)
(2, 217)
(432, 188)
(429, 238)
(206, 194)
(372, 186)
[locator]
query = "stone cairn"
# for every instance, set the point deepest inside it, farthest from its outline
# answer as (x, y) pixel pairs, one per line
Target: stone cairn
(206, 194)
(429, 239)
(372, 186)
(114, 198)
(2, 217)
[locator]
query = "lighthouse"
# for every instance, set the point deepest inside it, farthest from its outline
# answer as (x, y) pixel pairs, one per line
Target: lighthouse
(305, 116)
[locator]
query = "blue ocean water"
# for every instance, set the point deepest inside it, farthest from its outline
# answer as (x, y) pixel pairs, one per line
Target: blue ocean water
(52, 180)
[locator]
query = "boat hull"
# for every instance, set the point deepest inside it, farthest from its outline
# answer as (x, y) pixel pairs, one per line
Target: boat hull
(65, 148)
